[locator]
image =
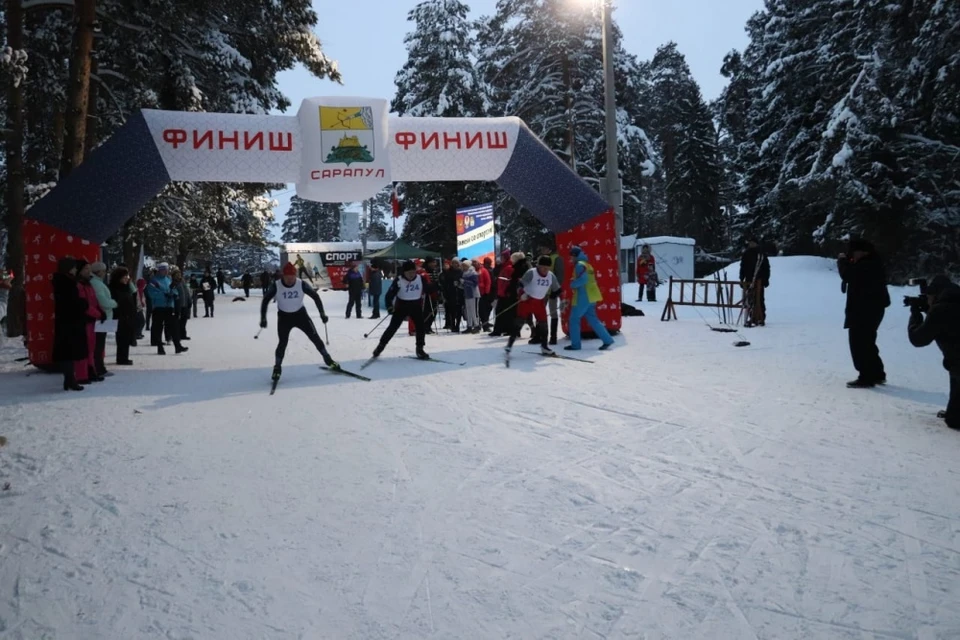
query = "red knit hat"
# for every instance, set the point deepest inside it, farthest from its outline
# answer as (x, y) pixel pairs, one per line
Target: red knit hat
(289, 270)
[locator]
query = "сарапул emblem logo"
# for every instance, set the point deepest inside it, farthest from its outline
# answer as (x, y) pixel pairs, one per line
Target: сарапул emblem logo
(347, 135)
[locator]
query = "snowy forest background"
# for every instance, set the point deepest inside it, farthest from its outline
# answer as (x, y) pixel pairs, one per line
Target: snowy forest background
(841, 117)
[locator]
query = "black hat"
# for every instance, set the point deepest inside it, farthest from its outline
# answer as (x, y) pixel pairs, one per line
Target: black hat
(408, 266)
(544, 261)
(938, 285)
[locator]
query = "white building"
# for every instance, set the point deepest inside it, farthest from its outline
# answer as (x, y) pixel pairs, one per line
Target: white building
(674, 256)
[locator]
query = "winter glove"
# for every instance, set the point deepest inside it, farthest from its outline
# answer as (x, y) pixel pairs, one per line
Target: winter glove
(524, 298)
(263, 323)
(103, 316)
(390, 310)
(555, 294)
(324, 319)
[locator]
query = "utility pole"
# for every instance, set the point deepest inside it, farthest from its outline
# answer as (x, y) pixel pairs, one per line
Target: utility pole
(613, 191)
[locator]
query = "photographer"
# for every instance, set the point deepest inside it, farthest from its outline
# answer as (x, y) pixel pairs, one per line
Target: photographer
(865, 280)
(942, 325)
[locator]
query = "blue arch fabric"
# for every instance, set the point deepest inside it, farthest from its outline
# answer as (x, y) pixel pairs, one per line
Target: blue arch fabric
(109, 188)
(547, 187)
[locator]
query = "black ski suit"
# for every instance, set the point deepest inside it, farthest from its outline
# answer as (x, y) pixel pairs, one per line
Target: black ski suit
(942, 325)
(867, 300)
(299, 319)
(403, 309)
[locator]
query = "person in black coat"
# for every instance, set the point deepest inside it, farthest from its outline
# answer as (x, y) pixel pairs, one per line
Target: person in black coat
(865, 281)
(70, 323)
(209, 288)
(942, 325)
(125, 313)
(754, 279)
(354, 281)
(246, 282)
(375, 275)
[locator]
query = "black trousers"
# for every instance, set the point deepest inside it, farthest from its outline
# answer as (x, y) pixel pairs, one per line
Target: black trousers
(864, 351)
(184, 317)
(124, 340)
(246, 292)
(506, 314)
(953, 405)
(356, 300)
(287, 322)
(98, 353)
(401, 312)
(162, 318)
(208, 305)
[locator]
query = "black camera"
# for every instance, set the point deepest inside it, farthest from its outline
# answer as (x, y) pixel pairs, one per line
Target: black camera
(917, 303)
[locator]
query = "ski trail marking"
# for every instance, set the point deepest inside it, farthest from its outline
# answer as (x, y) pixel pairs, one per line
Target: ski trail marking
(917, 578)
(624, 414)
(732, 605)
(837, 625)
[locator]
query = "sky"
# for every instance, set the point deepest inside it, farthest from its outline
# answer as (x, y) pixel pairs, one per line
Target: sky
(370, 49)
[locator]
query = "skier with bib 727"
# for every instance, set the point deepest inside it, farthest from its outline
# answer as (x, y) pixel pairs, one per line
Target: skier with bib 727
(404, 299)
(290, 292)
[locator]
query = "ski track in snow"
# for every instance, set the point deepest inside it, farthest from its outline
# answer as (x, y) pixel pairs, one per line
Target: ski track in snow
(678, 488)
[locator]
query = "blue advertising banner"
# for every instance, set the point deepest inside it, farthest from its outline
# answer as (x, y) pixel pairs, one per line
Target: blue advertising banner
(475, 232)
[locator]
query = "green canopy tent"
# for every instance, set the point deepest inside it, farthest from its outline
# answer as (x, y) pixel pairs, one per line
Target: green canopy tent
(400, 250)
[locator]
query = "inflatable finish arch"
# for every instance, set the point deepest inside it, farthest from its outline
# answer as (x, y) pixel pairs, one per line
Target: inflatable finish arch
(335, 150)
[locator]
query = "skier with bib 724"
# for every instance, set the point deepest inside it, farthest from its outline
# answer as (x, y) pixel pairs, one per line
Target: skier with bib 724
(405, 299)
(290, 293)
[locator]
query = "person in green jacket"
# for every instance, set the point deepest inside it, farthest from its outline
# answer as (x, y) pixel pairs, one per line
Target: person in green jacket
(108, 304)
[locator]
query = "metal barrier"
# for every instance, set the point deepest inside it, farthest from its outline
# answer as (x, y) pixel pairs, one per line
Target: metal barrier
(727, 295)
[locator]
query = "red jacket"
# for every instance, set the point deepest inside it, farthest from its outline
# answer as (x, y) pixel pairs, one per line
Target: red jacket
(503, 280)
(645, 264)
(486, 282)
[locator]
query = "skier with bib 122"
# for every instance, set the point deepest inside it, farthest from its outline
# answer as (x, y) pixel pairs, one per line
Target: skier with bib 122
(405, 299)
(291, 292)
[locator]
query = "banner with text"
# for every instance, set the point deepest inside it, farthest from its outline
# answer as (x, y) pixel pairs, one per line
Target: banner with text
(345, 155)
(451, 149)
(475, 232)
(226, 147)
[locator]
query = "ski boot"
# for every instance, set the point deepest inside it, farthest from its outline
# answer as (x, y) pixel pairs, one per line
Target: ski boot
(421, 354)
(606, 346)
(378, 351)
(276, 373)
(330, 362)
(547, 351)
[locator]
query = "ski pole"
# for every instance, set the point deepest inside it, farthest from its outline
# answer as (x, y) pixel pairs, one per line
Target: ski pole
(366, 335)
(326, 332)
(258, 333)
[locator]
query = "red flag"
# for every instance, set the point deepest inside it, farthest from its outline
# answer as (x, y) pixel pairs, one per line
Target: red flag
(395, 202)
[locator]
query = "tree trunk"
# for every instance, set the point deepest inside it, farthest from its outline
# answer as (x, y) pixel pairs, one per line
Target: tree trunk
(93, 94)
(78, 91)
(17, 309)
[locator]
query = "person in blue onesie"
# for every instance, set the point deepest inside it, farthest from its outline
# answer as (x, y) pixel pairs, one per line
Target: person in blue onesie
(586, 295)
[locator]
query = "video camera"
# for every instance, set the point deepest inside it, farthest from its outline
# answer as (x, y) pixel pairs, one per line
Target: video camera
(917, 303)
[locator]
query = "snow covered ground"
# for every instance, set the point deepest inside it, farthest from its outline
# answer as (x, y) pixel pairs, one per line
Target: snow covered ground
(678, 488)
